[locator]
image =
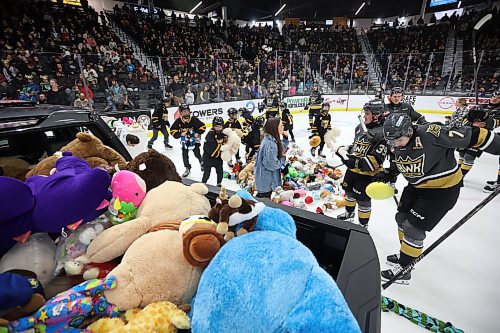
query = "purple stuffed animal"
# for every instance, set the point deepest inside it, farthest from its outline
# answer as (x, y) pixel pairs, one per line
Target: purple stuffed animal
(74, 194)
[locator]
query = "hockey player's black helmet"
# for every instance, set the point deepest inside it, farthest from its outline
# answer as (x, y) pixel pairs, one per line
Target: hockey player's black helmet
(243, 110)
(284, 105)
(259, 122)
(477, 113)
(232, 112)
(375, 106)
(184, 111)
(325, 107)
(396, 90)
(397, 125)
(218, 121)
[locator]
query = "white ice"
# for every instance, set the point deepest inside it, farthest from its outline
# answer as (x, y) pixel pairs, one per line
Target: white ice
(457, 282)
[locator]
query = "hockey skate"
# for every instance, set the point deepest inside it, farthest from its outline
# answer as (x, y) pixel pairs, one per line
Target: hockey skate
(150, 146)
(313, 152)
(491, 186)
(393, 259)
(320, 154)
(346, 216)
(239, 161)
(201, 165)
(389, 274)
(230, 164)
(167, 146)
(186, 173)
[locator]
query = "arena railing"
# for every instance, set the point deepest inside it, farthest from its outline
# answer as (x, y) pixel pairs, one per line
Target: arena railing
(213, 79)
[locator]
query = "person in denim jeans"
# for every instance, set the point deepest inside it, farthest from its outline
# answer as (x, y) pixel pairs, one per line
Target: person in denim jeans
(270, 159)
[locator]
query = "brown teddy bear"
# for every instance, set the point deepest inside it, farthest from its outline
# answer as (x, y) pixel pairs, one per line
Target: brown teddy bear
(14, 167)
(155, 168)
(154, 267)
(88, 147)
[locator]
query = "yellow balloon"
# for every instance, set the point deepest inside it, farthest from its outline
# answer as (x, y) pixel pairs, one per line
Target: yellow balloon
(379, 191)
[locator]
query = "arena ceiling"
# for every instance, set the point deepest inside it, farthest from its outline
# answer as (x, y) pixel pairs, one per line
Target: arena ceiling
(259, 10)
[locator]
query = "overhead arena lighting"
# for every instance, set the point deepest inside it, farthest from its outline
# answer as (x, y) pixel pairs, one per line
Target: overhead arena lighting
(360, 7)
(279, 11)
(194, 8)
(459, 4)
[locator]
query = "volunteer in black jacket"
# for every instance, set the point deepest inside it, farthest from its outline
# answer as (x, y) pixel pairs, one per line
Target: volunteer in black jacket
(160, 123)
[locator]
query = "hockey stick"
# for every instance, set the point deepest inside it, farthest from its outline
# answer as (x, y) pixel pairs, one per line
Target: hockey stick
(447, 234)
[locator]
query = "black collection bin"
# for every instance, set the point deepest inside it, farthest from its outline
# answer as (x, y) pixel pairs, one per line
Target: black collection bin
(345, 250)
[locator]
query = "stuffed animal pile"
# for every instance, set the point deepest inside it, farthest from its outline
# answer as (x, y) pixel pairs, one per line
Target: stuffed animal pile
(310, 185)
(150, 260)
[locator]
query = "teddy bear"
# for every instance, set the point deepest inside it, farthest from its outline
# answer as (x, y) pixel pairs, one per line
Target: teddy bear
(154, 168)
(268, 281)
(246, 172)
(88, 270)
(14, 167)
(281, 195)
(231, 146)
(162, 317)
(331, 137)
(86, 146)
(154, 267)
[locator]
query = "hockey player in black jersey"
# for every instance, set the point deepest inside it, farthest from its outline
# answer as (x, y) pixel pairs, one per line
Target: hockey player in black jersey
(160, 123)
(314, 104)
(233, 122)
(322, 123)
(189, 129)
(481, 117)
(253, 138)
(494, 109)
(271, 101)
(396, 105)
(287, 120)
(211, 150)
(364, 160)
(425, 156)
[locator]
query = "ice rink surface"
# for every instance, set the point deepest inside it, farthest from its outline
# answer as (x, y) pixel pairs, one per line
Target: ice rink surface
(458, 281)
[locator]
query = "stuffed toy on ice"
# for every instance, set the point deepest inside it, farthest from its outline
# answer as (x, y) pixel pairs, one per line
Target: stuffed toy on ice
(155, 266)
(75, 193)
(231, 146)
(88, 147)
(267, 281)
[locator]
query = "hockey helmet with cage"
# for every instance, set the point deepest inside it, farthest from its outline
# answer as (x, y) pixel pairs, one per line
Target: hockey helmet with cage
(218, 121)
(183, 107)
(259, 122)
(325, 106)
(232, 112)
(397, 125)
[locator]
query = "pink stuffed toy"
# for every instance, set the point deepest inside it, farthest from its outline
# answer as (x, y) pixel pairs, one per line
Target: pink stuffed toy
(128, 191)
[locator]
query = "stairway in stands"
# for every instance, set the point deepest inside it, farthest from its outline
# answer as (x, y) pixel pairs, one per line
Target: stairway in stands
(374, 72)
(138, 52)
(457, 74)
(449, 54)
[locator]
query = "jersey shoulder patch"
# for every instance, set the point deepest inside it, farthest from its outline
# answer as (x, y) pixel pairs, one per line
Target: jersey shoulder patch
(434, 129)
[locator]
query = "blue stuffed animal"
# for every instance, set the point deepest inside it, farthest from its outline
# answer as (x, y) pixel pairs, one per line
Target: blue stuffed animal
(267, 281)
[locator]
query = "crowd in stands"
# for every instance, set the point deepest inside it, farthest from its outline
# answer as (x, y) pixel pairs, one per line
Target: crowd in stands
(40, 42)
(52, 53)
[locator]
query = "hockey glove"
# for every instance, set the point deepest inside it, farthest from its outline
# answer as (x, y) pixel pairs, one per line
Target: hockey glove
(348, 159)
(383, 176)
